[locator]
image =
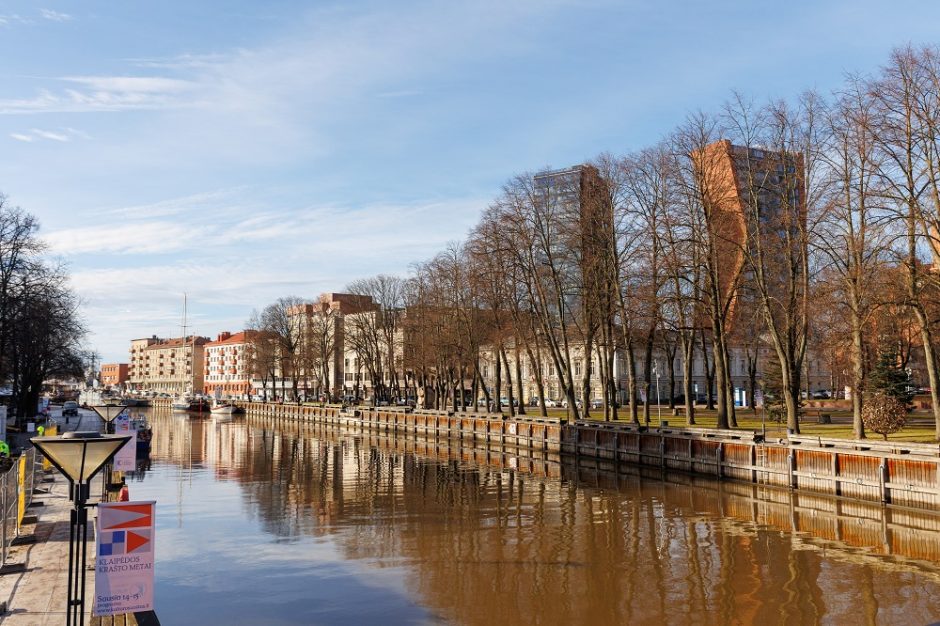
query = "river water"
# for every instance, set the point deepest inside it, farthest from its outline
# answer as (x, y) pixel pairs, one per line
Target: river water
(322, 525)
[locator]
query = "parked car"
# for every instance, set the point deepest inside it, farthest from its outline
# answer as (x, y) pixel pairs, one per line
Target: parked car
(821, 394)
(551, 404)
(597, 403)
(70, 407)
(564, 404)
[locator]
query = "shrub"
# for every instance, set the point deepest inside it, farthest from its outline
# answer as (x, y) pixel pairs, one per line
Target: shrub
(884, 414)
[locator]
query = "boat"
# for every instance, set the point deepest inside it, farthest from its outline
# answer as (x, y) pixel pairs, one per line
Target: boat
(144, 434)
(181, 402)
(225, 408)
(190, 403)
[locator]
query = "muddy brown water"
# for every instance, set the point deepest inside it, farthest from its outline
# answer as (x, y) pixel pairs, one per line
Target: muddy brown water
(314, 525)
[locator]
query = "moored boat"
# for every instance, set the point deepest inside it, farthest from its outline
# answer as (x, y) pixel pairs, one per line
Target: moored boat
(181, 403)
(144, 434)
(225, 408)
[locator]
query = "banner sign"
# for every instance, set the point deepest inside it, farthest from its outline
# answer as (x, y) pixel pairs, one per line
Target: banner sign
(124, 561)
(126, 458)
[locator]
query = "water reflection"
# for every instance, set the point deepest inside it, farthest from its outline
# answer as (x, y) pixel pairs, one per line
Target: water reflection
(358, 528)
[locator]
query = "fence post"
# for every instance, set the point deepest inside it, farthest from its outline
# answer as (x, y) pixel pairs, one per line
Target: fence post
(882, 482)
(4, 504)
(791, 468)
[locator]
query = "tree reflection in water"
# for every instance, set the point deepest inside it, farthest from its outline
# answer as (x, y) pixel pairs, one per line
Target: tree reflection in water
(482, 541)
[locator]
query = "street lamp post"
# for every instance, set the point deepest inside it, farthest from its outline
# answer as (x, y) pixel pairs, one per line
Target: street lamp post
(79, 456)
(108, 413)
(659, 404)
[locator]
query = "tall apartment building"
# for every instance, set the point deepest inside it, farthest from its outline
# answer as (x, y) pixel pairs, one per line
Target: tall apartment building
(136, 368)
(173, 365)
(740, 182)
(228, 365)
(578, 195)
(322, 330)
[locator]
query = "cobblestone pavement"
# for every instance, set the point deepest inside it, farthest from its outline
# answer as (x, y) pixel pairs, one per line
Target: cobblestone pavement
(37, 595)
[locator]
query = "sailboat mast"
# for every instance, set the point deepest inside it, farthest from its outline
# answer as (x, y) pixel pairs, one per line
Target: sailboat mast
(183, 342)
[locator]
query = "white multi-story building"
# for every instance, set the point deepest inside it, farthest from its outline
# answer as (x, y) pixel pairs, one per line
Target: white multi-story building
(228, 365)
(170, 365)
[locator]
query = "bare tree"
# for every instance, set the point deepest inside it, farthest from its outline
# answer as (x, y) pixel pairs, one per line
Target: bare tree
(906, 136)
(778, 196)
(285, 319)
(853, 238)
(711, 195)
(262, 354)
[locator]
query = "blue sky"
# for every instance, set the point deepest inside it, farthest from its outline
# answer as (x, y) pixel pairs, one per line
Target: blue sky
(241, 151)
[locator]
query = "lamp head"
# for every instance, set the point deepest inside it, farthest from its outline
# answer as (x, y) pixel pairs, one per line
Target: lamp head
(79, 455)
(108, 412)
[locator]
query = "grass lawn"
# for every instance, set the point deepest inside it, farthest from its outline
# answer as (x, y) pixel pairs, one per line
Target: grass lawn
(919, 428)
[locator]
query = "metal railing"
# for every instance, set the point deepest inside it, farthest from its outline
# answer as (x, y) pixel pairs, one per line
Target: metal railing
(16, 494)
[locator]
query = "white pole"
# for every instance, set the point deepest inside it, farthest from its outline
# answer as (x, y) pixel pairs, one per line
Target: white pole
(659, 404)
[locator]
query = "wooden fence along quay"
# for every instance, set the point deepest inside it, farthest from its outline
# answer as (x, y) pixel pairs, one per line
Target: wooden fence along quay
(897, 473)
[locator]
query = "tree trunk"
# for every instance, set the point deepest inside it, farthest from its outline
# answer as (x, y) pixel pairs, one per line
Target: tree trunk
(858, 378)
(647, 375)
(519, 382)
(509, 393)
(632, 384)
(688, 351)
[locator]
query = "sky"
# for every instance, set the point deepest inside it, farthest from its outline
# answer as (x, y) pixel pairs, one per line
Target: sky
(242, 151)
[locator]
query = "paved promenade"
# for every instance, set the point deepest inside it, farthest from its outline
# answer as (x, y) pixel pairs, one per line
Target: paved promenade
(37, 595)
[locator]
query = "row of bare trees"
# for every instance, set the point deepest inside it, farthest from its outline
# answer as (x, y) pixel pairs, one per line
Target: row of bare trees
(833, 207)
(291, 347)
(41, 331)
(806, 226)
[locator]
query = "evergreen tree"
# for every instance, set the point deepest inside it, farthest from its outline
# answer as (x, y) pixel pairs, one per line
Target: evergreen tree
(890, 379)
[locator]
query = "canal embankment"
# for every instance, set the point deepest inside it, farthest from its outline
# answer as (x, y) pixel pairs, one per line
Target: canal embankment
(897, 473)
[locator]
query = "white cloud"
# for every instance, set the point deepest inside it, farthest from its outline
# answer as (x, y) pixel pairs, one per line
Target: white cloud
(13, 18)
(63, 136)
(136, 238)
(54, 16)
(104, 93)
(48, 134)
(198, 203)
(131, 84)
(374, 52)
